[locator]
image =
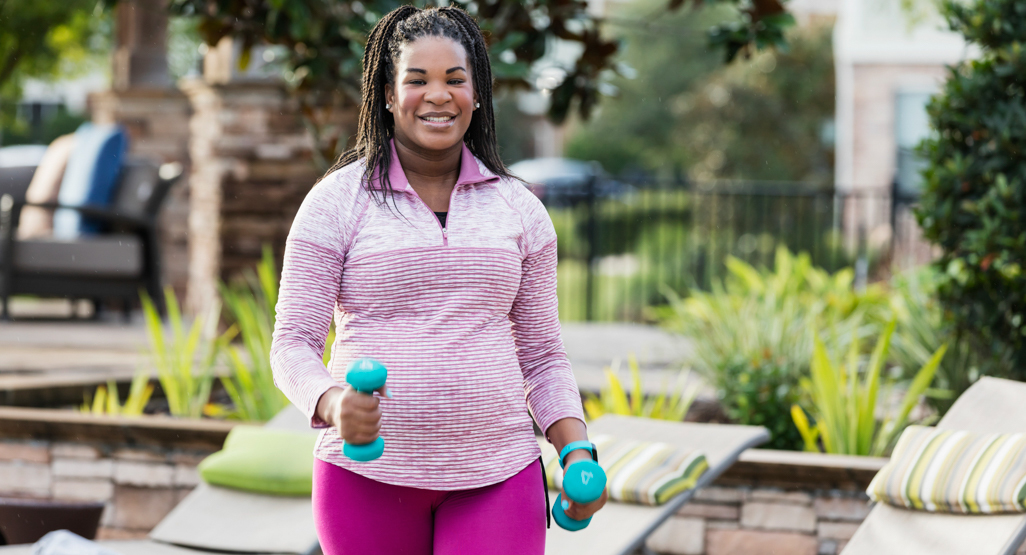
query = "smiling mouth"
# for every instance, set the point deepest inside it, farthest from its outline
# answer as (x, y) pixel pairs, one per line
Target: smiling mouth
(438, 119)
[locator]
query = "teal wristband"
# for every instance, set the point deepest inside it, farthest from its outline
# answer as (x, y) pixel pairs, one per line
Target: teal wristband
(574, 446)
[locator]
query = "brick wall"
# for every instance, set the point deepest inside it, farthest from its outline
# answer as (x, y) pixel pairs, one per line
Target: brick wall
(140, 485)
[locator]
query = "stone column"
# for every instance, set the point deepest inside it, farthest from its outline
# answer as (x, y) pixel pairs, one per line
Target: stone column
(140, 56)
(252, 165)
(155, 115)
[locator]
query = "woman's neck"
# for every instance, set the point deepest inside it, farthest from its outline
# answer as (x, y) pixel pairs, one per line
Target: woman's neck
(432, 174)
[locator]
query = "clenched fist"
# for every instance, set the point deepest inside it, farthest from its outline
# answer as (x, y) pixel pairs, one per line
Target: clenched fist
(357, 416)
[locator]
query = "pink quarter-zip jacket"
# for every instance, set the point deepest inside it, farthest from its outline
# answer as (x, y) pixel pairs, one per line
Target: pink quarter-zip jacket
(464, 317)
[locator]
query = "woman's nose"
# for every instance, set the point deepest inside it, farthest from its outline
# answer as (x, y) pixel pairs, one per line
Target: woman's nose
(437, 95)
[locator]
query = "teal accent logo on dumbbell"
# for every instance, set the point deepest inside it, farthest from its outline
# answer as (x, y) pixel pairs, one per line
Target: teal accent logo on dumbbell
(583, 482)
(365, 375)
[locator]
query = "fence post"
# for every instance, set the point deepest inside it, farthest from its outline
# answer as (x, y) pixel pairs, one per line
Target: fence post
(592, 228)
(895, 199)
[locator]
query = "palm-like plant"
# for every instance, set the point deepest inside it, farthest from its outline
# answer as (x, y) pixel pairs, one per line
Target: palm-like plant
(251, 305)
(185, 359)
(845, 406)
(614, 399)
(106, 402)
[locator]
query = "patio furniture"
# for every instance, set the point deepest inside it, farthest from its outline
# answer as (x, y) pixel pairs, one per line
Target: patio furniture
(991, 405)
(27, 520)
(621, 528)
(115, 263)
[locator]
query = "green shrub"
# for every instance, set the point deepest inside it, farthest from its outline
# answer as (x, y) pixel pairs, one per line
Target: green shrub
(753, 334)
(845, 407)
(974, 193)
(614, 399)
(760, 392)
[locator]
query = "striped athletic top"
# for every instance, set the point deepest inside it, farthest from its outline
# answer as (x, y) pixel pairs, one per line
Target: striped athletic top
(464, 318)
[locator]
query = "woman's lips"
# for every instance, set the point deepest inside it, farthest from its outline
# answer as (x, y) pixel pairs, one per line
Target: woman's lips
(438, 122)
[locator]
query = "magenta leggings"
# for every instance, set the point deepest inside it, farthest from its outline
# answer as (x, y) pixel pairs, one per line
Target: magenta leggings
(355, 515)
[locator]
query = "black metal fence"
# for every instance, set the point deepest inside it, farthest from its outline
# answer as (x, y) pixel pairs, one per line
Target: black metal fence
(620, 246)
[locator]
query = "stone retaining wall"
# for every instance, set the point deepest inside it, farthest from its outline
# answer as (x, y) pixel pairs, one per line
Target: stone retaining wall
(726, 520)
(139, 485)
(767, 503)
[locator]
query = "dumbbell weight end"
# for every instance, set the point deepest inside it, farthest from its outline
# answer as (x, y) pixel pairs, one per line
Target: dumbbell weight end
(564, 521)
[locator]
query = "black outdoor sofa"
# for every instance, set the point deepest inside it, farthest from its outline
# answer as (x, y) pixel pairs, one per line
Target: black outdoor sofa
(115, 264)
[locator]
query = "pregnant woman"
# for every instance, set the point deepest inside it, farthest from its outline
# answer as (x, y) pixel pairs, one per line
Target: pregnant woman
(437, 262)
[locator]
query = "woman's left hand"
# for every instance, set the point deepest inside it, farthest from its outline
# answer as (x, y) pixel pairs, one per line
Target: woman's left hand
(578, 511)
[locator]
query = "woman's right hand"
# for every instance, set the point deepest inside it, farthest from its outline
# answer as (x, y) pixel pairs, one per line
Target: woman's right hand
(357, 416)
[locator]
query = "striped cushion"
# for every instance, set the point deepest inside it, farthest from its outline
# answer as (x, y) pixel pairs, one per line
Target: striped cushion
(643, 472)
(954, 471)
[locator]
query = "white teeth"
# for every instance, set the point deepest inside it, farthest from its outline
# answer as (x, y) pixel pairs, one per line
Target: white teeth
(437, 120)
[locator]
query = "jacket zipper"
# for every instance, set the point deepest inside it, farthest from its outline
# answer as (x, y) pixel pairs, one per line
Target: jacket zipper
(448, 215)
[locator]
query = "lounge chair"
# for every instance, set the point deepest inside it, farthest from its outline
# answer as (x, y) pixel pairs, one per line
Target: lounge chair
(621, 528)
(991, 405)
(213, 519)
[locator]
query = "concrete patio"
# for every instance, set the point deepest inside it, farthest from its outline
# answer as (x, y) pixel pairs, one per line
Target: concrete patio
(46, 351)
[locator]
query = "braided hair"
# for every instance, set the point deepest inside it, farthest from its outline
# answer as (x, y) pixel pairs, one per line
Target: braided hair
(377, 126)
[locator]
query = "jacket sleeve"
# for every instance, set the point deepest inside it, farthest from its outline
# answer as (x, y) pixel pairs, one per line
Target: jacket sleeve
(549, 384)
(310, 279)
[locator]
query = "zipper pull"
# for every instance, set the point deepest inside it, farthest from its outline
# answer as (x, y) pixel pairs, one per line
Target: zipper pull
(445, 232)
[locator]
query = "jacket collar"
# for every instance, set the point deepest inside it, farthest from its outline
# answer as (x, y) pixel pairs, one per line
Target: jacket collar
(471, 171)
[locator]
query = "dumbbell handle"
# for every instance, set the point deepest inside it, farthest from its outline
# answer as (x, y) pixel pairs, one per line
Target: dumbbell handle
(365, 375)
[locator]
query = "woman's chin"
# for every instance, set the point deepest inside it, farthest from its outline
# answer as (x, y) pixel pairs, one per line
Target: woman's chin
(438, 140)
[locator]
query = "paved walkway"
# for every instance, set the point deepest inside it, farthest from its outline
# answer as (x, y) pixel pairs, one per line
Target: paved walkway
(87, 352)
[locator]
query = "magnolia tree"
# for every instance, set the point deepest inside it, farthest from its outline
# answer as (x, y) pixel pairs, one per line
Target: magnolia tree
(974, 200)
(324, 38)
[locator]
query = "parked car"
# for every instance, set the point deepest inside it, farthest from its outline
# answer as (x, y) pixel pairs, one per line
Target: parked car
(565, 182)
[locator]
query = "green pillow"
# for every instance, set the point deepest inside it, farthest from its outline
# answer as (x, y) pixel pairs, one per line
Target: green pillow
(278, 462)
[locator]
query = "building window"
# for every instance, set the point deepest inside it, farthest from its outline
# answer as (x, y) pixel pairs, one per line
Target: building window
(912, 125)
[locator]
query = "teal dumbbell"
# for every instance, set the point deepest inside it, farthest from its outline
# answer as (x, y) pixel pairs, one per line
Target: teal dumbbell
(583, 482)
(365, 375)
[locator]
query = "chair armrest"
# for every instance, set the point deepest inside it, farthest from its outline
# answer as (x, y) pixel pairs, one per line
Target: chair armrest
(97, 212)
(15, 181)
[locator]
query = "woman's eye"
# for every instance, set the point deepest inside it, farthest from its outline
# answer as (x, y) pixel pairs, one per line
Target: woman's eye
(455, 81)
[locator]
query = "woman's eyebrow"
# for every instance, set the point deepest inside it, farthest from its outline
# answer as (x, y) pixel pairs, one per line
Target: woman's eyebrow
(424, 71)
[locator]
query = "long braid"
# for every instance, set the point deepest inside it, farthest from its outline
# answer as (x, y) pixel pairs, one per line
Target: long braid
(481, 138)
(376, 125)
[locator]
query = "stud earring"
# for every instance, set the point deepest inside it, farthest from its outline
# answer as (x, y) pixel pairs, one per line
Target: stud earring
(388, 106)
(477, 104)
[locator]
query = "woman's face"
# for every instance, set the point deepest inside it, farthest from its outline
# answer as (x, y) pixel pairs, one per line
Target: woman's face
(433, 98)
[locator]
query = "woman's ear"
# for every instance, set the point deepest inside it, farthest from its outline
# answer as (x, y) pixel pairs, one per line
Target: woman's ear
(389, 98)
